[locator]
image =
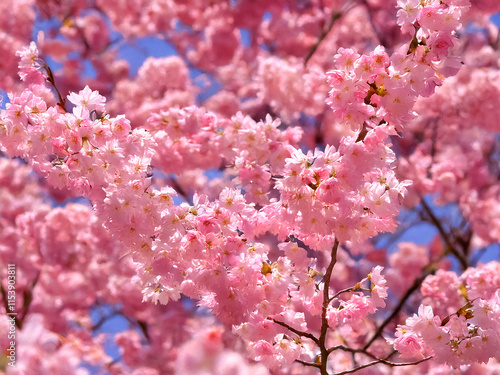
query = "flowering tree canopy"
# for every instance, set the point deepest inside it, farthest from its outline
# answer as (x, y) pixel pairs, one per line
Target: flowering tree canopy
(244, 203)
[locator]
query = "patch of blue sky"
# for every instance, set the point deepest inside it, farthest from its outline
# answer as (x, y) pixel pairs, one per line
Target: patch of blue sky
(4, 99)
(112, 324)
(495, 19)
(44, 25)
(136, 51)
(213, 173)
(245, 37)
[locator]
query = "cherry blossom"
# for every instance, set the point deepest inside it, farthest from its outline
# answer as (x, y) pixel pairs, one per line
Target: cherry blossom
(242, 206)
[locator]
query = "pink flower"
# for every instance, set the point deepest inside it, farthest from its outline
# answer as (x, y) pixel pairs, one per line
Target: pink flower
(408, 344)
(88, 99)
(120, 127)
(378, 288)
(408, 14)
(355, 309)
(28, 56)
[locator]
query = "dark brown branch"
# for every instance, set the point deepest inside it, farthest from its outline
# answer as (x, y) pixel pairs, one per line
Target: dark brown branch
(27, 298)
(326, 302)
(144, 329)
(4, 298)
(377, 360)
(443, 233)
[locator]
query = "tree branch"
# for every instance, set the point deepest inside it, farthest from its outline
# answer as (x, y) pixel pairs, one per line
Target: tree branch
(326, 302)
(443, 233)
(27, 298)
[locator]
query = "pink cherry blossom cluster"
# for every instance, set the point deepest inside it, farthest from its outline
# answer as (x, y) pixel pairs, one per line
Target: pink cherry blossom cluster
(195, 138)
(277, 247)
(324, 192)
(60, 252)
(469, 334)
(194, 250)
(19, 16)
(43, 353)
(207, 353)
(160, 83)
(377, 88)
(287, 95)
(468, 177)
(50, 285)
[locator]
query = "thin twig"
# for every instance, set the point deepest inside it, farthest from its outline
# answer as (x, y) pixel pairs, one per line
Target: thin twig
(350, 289)
(103, 319)
(335, 16)
(353, 351)
(296, 331)
(310, 364)
(388, 363)
(380, 37)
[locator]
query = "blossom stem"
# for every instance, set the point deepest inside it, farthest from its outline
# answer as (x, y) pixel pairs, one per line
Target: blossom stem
(50, 78)
(346, 290)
